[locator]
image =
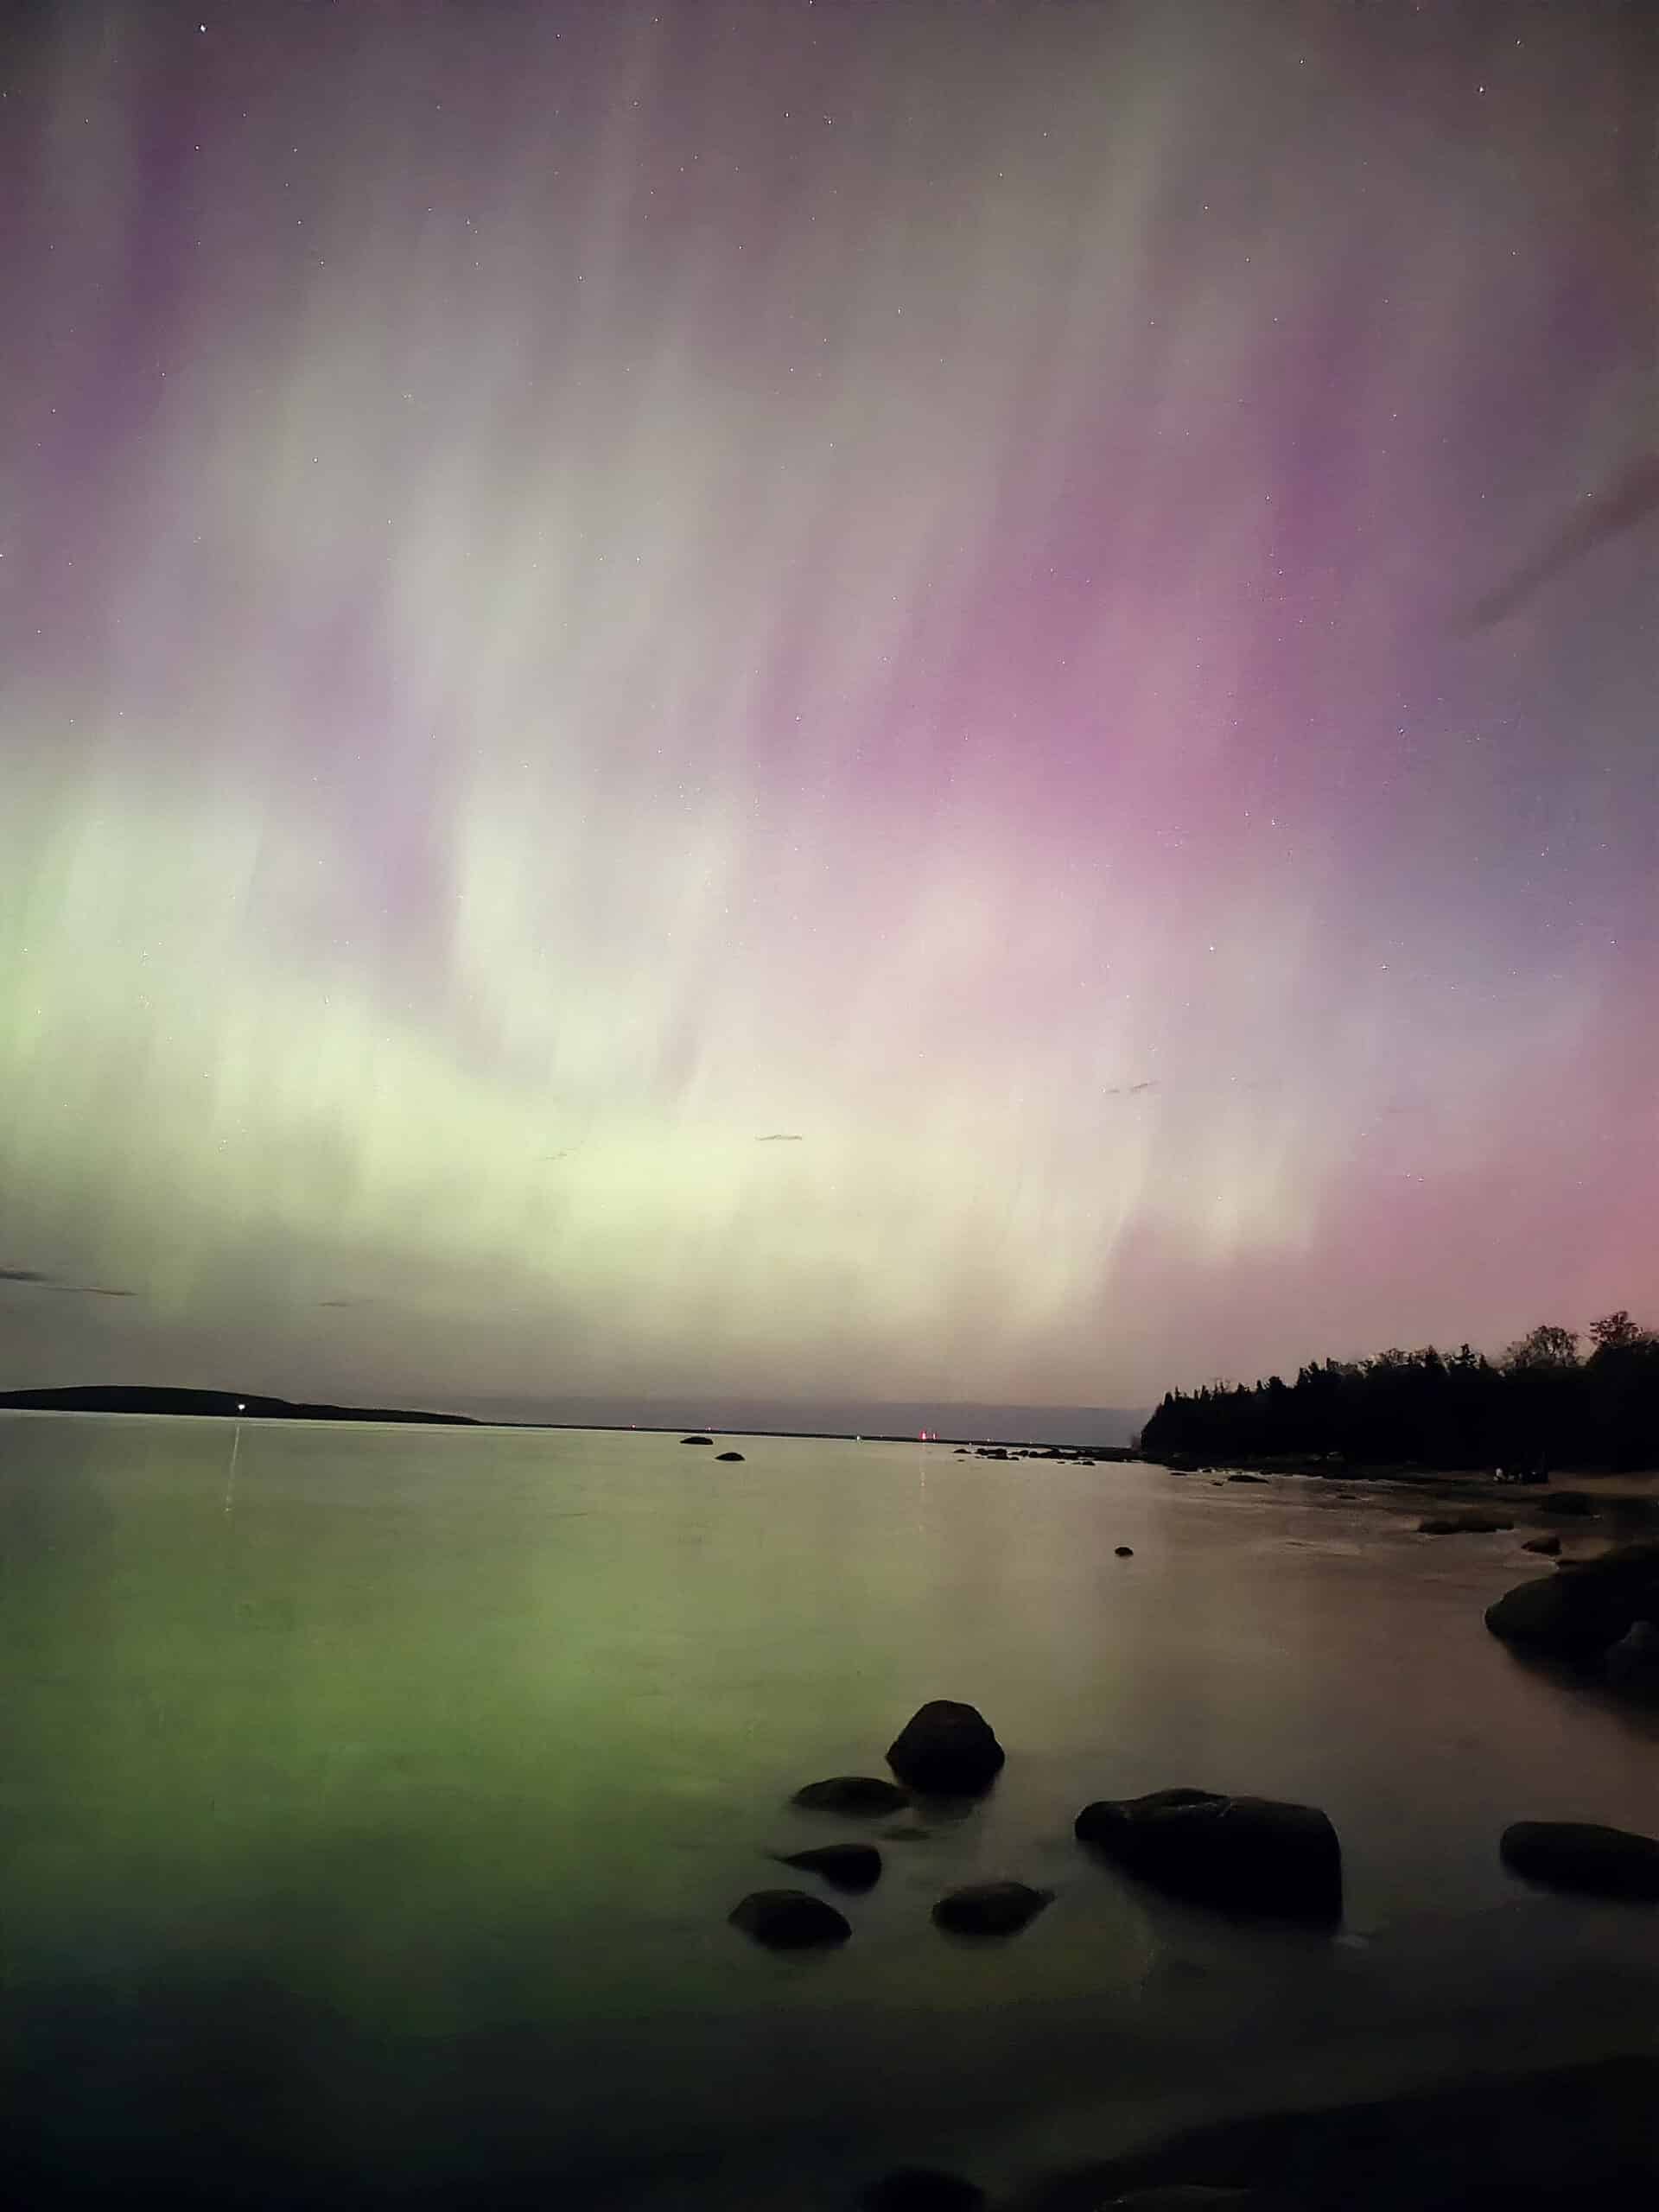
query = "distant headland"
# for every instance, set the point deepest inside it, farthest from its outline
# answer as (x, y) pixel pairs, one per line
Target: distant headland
(234, 1405)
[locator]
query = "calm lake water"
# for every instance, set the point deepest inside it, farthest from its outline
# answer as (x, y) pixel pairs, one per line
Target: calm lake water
(371, 1801)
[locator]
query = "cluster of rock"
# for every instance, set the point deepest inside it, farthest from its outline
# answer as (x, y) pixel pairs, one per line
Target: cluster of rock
(1242, 1855)
(709, 1440)
(944, 1750)
(1074, 1455)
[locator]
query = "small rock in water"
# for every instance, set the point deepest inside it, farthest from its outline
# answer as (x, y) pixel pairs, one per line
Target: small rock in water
(1549, 1547)
(1578, 1855)
(921, 2189)
(1123, 1552)
(728, 1455)
(844, 1866)
(990, 1907)
(789, 1920)
(1471, 1524)
(852, 1792)
(1247, 1478)
(696, 1439)
(946, 1748)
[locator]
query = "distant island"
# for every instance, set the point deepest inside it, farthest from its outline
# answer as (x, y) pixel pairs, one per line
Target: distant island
(121, 1398)
(1539, 1405)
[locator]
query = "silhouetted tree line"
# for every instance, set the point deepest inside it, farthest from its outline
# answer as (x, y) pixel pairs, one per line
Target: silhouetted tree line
(1541, 1405)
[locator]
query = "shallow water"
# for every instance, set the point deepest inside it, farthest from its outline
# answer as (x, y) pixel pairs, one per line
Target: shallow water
(373, 1801)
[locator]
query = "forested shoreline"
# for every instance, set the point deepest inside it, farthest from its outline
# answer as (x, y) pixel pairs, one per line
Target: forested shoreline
(1544, 1402)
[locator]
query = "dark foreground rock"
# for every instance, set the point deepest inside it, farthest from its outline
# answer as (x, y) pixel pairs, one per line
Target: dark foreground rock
(1578, 1855)
(1546, 1547)
(728, 1455)
(1578, 2136)
(947, 1749)
(1123, 1552)
(789, 1920)
(921, 2189)
(990, 1907)
(1247, 1855)
(843, 1866)
(1584, 1607)
(1471, 1524)
(857, 1794)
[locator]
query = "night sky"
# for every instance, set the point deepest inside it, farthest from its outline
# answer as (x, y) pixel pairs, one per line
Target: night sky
(888, 699)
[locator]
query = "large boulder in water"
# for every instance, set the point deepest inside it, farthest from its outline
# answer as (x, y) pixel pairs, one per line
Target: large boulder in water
(1584, 1607)
(1247, 1854)
(946, 1749)
(857, 1794)
(789, 1920)
(990, 1907)
(1578, 1855)
(1558, 1618)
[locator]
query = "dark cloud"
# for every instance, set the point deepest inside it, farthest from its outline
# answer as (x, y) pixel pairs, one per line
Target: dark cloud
(91, 1290)
(342, 1302)
(779, 1136)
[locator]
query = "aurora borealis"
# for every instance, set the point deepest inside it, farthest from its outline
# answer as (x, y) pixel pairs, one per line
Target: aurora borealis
(1011, 593)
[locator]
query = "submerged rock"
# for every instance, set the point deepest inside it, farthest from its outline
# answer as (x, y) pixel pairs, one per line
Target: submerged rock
(852, 1792)
(1185, 2196)
(1123, 1552)
(844, 1866)
(947, 1749)
(990, 1907)
(789, 1920)
(1548, 1547)
(1578, 1855)
(728, 1455)
(1579, 2135)
(1250, 1855)
(1247, 1478)
(696, 1439)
